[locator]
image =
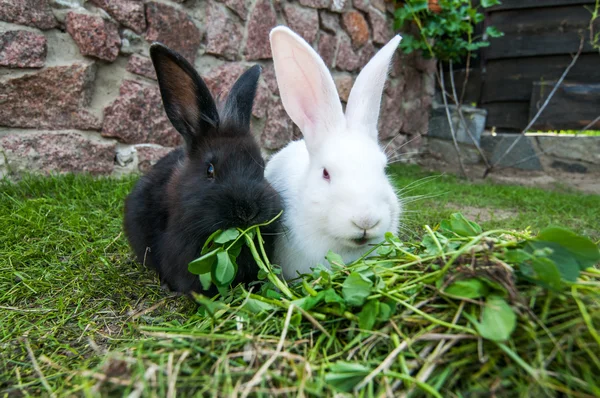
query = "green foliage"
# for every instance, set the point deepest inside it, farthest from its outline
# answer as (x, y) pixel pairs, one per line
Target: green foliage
(97, 323)
(447, 35)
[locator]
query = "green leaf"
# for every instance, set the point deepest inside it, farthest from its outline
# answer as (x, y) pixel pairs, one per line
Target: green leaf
(581, 248)
(207, 245)
(498, 320)
(489, 3)
(386, 310)
(547, 272)
(516, 257)
(344, 376)
(368, 315)
(224, 271)
(468, 288)
(492, 31)
(236, 249)
(204, 263)
(257, 306)
(461, 226)
(206, 280)
(328, 296)
(227, 236)
(209, 305)
(356, 289)
(335, 260)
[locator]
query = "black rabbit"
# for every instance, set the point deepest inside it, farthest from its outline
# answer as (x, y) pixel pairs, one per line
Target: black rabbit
(215, 181)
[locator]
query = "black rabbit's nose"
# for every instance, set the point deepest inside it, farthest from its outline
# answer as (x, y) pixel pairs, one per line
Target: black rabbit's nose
(246, 213)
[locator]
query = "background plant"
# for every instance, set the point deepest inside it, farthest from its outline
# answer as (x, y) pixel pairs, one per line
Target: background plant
(448, 35)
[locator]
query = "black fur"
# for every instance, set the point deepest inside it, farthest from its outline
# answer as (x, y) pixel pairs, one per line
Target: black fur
(175, 207)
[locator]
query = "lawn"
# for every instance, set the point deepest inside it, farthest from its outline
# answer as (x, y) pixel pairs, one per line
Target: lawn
(79, 317)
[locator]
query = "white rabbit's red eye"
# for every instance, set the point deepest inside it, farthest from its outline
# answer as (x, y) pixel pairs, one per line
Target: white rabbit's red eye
(210, 171)
(326, 174)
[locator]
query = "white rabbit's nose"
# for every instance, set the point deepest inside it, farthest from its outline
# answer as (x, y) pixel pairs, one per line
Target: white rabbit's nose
(366, 223)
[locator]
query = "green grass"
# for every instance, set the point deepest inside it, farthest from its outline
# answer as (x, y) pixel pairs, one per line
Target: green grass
(79, 316)
(593, 133)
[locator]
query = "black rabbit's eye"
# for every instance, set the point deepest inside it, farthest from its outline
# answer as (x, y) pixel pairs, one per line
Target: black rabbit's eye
(210, 171)
(326, 174)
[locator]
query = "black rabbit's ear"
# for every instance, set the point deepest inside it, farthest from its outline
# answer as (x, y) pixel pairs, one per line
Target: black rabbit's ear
(238, 107)
(187, 101)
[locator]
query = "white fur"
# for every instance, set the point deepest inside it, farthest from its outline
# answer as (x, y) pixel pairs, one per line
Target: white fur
(323, 215)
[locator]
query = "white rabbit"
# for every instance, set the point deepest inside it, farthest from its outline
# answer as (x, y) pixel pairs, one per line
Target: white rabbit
(333, 184)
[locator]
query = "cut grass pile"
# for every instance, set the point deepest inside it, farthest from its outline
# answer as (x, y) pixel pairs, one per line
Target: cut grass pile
(77, 315)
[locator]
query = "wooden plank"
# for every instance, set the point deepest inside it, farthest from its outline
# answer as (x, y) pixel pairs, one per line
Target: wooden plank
(512, 79)
(473, 89)
(512, 116)
(517, 4)
(573, 106)
(540, 31)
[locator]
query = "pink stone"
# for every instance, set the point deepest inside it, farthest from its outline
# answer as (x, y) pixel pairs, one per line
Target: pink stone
(94, 36)
(261, 101)
(316, 3)
(304, 21)
(347, 59)
(63, 152)
(278, 129)
(238, 6)
(362, 5)
(326, 48)
(262, 20)
(173, 28)
(379, 4)
(22, 49)
(219, 81)
(330, 22)
(137, 116)
(129, 13)
(148, 155)
(390, 119)
(224, 35)
(381, 28)
(36, 13)
(357, 27)
(268, 74)
(141, 66)
(54, 98)
(343, 83)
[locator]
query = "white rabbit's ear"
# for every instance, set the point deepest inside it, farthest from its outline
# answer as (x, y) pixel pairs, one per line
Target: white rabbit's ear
(307, 90)
(362, 110)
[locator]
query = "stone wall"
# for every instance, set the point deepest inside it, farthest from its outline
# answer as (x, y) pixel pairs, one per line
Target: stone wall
(78, 91)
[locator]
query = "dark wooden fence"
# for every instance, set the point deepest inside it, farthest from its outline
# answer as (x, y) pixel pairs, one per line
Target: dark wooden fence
(515, 74)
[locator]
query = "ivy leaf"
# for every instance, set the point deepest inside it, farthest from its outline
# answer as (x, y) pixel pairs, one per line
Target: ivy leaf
(344, 376)
(498, 320)
(368, 315)
(468, 288)
(204, 263)
(224, 271)
(227, 236)
(356, 289)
